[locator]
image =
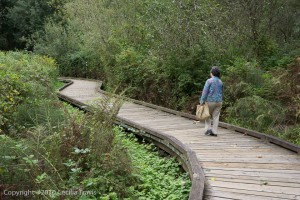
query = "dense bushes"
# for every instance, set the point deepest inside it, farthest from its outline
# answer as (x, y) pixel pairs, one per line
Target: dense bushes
(22, 18)
(254, 111)
(266, 101)
(75, 157)
(26, 82)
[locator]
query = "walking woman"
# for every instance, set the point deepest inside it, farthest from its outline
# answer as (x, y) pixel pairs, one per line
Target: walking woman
(212, 94)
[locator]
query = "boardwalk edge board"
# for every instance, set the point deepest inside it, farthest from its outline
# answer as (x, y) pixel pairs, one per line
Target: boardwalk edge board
(166, 142)
(67, 84)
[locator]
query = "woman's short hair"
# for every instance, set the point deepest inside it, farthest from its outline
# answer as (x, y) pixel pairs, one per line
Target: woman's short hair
(215, 71)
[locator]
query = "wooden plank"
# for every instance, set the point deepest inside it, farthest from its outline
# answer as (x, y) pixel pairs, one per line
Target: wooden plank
(135, 116)
(258, 188)
(170, 128)
(248, 196)
(225, 144)
(251, 156)
(251, 160)
(144, 115)
(128, 111)
(163, 120)
(196, 145)
(285, 171)
(255, 181)
(155, 120)
(252, 193)
(208, 197)
(275, 180)
(132, 112)
(251, 165)
(267, 179)
(243, 151)
(250, 173)
(185, 127)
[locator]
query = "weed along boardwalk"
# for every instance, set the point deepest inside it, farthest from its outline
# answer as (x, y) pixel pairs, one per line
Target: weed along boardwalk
(238, 164)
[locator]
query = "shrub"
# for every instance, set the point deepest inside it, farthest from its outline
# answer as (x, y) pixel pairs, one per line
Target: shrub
(256, 113)
(15, 174)
(286, 84)
(45, 112)
(25, 79)
(80, 155)
(242, 79)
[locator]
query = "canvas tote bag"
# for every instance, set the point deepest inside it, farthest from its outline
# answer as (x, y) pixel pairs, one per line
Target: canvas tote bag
(202, 112)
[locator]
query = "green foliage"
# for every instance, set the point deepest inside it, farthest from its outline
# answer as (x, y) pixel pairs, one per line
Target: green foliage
(285, 82)
(26, 81)
(10, 172)
(266, 101)
(254, 111)
(291, 134)
(59, 161)
(22, 18)
(262, 28)
(244, 79)
(40, 112)
(6, 40)
(68, 48)
(10, 97)
(160, 178)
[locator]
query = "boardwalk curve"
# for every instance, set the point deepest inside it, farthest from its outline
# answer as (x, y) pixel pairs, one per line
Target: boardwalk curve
(238, 164)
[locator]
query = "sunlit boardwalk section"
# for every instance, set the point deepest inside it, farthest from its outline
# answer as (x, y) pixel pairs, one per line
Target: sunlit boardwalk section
(236, 166)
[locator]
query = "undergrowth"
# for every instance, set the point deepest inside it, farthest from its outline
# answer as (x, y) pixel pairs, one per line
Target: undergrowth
(160, 177)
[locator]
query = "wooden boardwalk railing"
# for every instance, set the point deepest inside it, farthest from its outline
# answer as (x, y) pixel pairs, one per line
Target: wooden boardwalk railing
(238, 164)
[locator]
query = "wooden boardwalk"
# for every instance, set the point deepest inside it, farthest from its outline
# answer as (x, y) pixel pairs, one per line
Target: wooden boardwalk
(235, 165)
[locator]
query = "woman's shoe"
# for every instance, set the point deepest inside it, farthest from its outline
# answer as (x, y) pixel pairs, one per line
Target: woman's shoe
(210, 133)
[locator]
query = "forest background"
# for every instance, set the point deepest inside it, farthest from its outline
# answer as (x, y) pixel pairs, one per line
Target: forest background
(161, 51)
